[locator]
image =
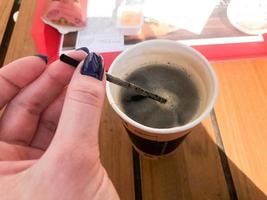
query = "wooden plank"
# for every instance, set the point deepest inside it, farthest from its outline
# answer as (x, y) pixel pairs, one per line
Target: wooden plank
(5, 10)
(194, 171)
(241, 113)
(21, 43)
(116, 153)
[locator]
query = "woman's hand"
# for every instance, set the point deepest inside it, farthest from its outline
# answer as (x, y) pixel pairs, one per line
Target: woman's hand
(49, 131)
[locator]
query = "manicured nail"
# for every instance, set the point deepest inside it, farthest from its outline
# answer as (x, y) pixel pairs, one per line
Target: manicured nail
(43, 57)
(93, 66)
(85, 49)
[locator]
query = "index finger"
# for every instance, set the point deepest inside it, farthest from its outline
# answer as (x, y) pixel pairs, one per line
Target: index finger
(17, 75)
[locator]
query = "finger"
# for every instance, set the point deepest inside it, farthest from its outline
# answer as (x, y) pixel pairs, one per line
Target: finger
(21, 116)
(17, 75)
(11, 152)
(13, 167)
(79, 122)
(48, 123)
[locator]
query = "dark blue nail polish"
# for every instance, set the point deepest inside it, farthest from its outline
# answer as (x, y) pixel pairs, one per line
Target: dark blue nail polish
(93, 66)
(85, 49)
(43, 57)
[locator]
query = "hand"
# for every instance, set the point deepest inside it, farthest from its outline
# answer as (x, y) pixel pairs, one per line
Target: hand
(49, 132)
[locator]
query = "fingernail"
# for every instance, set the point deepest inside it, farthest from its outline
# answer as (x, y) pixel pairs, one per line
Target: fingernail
(85, 49)
(43, 57)
(93, 66)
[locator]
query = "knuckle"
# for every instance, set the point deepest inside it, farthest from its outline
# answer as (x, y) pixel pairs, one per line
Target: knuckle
(49, 125)
(55, 77)
(32, 107)
(92, 94)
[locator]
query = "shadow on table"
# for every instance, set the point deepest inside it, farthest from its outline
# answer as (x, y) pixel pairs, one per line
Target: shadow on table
(198, 169)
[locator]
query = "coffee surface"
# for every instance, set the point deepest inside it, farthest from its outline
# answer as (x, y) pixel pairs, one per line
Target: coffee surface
(171, 83)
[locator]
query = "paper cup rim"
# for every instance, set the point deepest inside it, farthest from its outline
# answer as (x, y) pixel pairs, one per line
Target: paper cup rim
(176, 129)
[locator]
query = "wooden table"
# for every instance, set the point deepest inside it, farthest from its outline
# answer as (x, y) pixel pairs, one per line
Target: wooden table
(225, 157)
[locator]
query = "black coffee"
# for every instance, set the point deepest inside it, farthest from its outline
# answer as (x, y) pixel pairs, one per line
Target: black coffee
(168, 82)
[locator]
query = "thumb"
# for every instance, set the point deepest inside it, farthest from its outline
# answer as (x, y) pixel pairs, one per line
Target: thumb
(79, 122)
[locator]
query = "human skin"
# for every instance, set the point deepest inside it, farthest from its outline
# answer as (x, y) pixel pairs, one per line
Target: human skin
(49, 132)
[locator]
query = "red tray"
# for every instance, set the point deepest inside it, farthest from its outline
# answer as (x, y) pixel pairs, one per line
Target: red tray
(47, 41)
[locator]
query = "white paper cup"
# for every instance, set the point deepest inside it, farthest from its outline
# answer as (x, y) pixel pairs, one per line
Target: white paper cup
(161, 141)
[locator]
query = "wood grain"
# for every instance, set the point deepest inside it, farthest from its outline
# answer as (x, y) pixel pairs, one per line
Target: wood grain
(193, 172)
(241, 113)
(21, 43)
(5, 10)
(116, 153)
